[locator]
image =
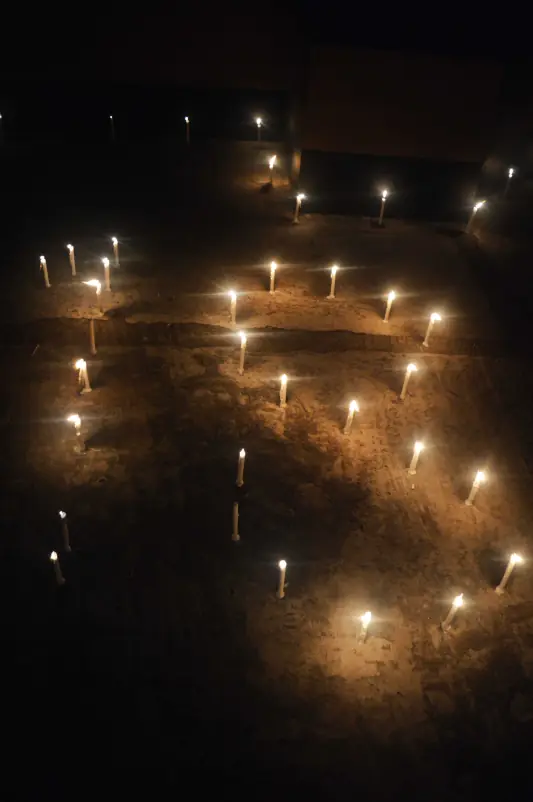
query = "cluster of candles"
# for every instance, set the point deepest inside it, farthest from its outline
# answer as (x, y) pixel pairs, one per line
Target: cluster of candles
(72, 260)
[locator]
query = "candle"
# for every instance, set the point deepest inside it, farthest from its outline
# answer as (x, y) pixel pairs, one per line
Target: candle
(64, 530)
(235, 536)
(390, 298)
(97, 286)
(434, 318)
(352, 409)
(233, 306)
(475, 209)
(365, 620)
(419, 447)
(60, 579)
(298, 205)
(105, 262)
(114, 240)
(282, 565)
(510, 174)
(242, 335)
(259, 123)
(81, 365)
(479, 478)
(283, 391)
(72, 259)
(187, 130)
(240, 468)
(456, 604)
(76, 422)
(112, 123)
(271, 163)
(382, 211)
(273, 267)
(514, 559)
(92, 339)
(411, 368)
(44, 268)
(333, 276)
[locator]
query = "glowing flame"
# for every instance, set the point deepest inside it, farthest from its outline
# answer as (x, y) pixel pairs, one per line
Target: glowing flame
(273, 267)
(105, 261)
(272, 162)
(186, 119)
(53, 556)
(81, 364)
(511, 172)
(42, 260)
(458, 601)
(282, 564)
(114, 240)
(391, 296)
(516, 558)
(70, 247)
(242, 335)
(258, 122)
(435, 317)
(480, 477)
(365, 619)
(354, 406)
(478, 205)
(94, 283)
(242, 453)
(300, 196)
(384, 195)
(233, 295)
(334, 270)
(283, 379)
(419, 447)
(75, 420)
(412, 368)
(62, 514)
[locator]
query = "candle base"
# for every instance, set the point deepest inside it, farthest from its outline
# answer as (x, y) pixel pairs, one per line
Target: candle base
(86, 390)
(235, 537)
(499, 590)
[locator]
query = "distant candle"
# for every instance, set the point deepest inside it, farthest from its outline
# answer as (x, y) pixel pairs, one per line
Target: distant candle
(44, 268)
(419, 447)
(365, 620)
(105, 262)
(456, 604)
(434, 318)
(242, 335)
(411, 368)
(479, 478)
(283, 391)
(240, 468)
(60, 579)
(114, 240)
(64, 530)
(233, 306)
(352, 409)
(72, 259)
(333, 277)
(514, 559)
(282, 565)
(273, 268)
(390, 298)
(81, 365)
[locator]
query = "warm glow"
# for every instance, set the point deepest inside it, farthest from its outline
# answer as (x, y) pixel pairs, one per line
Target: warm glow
(458, 601)
(511, 172)
(242, 453)
(186, 119)
(411, 368)
(354, 406)
(258, 122)
(53, 556)
(242, 335)
(391, 296)
(81, 364)
(75, 420)
(272, 162)
(385, 193)
(62, 514)
(233, 295)
(273, 266)
(478, 205)
(366, 618)
(42, 260)
(110, 116)
(435, 317)
(105, 261)
(480, 477)
(300, 196)
(282, 564)
(283, 379)
(114, 240)
(334, 270)
(516, 559)
(419, 447)
(70, 247)
(94, 283)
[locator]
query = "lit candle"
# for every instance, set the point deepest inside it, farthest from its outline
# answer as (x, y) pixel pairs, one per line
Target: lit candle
(233, 306)
(240, 468)
(60, 579)
(235, 536)
(76, 422)
(411, 368)
(72, 259)
(434, 318)
(475, 209)
(514, 559)
(64, 530)
(273, 267)
(92, 339)
(242, 335)
(81, 365)
(333, 277)
(114, 240)
(352, 409)
(382, 211)
(97, 286)
(271, 163)
(105, 262)
(479, 478)
(259, 123)
(112, 123)
(419, 447)
(390, 298)
(283, 391)
(298, 205)
(456, 604)
(510, 174)
(282, 565)
(44, 268)
(187, 130)
(365, 620)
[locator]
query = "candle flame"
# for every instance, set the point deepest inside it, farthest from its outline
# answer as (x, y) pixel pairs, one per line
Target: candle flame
(354, 406)
(419, 446)
(81, 364)
(42, 260)
(334, 270)
(242, 335)
(283, 378)
(385, 193)
(258, 122)
(75, 420)
(391, 296)
(435, 316)
(282, 564)
(412, 368)
(273, 266)
(232, 295)
(53, 556)
(366, 618)
(458, 601)
(105, 261)
(478, 205)
(272, 162)
(70, 247)
(94, 283)
(300, 196)
(511, 172)
(480, 477)
(242, 453)
(186, 119)
(114, 240)
(516, 558)
(62, 514)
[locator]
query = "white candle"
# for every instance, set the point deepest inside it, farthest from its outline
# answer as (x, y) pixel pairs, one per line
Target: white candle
(510, 174)
(242, 335)
(60, 579)
(114, 240)
(44, 268)
(64, 530)
(456, 604)
(479, 478)
(187, 130)
(92, 339)
(475, 209)
(298, 205)
(112, 123)
(282, 565)
(273, 267)
(235, 536)
(352, 409)
(98, 288)
(382, 211)
(411, 368)
(390, 298)
(76, 422)
(419, 447)
(514, 559)
(72, 259)
(283, 391)
(434, 318)
(271, 164)
(81, 365)
(333, 277)
(233, 306)
(365, 620)
(105, 262)
(259, 123)
(240, 468)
